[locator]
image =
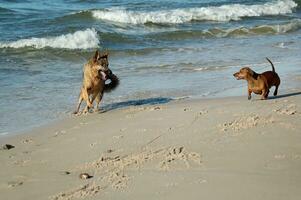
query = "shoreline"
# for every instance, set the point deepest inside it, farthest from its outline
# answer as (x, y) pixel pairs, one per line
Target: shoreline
(232, 94)
(43, 116)
(152, 101)
(110, 107)
(171, 150)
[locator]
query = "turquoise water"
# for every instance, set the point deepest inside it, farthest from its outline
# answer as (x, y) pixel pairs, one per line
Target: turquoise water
(159, 49)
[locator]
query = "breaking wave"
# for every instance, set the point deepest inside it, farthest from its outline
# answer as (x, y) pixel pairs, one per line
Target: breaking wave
(177, 16)
(291, 26)
(78, 40)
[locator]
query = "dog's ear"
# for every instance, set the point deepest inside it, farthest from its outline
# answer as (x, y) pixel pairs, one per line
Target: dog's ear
(254, 75)
(105, 54)
(96, 55)
(251, 72)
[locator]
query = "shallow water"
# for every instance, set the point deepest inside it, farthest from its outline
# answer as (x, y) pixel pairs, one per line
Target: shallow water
(162, 49)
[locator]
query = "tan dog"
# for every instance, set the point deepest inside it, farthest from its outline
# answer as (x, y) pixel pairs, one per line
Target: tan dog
(259, 83)
(95, 73)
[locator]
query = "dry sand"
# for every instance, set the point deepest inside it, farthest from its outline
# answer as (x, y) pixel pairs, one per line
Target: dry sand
(227, 148)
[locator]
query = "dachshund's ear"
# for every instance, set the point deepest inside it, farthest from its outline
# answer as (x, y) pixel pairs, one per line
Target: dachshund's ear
(251, 72)
(96, 55)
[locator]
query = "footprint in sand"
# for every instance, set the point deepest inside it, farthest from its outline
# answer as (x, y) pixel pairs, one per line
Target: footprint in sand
(246, 122)
(290, 109)
(84, 191)
(13, 184)
(201, 181)
(179, 154)
(26, 152)
(202, 112)
(110, 151)
(110, 171)
(27, 141)
(93, 144)
(280, 156)
(117, 136)
(169, 185)
(186, 109)
(58, 133)
(241, 123)
(21, 163)
(156, 108)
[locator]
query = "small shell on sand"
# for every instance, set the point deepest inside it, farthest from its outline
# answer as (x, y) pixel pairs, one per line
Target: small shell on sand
(85, 176)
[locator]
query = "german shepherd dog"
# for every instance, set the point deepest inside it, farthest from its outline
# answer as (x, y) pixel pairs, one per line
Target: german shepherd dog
(95, 74)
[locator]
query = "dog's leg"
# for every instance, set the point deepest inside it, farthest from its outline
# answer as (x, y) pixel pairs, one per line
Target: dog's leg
(249, 94)
(87, 99)
(78, 105)
(267, 94)
(94, 96)
(264, 94)
(97, 100)
(276, 90)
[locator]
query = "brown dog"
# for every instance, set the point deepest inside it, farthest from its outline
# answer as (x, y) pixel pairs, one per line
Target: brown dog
(95, 73)
(259, 83)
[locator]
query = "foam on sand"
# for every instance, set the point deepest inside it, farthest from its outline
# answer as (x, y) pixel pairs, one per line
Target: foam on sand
(78, 40)
(212, 13)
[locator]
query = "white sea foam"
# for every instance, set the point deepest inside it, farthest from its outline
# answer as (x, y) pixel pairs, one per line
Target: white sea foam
(288, 27)
(78, 40)
(177, 16)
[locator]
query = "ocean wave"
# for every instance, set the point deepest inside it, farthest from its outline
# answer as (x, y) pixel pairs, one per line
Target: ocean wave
(291, 26)
(213, 13)
(4, 10)
(78, 40)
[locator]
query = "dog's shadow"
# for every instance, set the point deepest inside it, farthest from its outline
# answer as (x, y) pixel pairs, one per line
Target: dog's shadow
(138, 102)
(285, 95)
(162, 100)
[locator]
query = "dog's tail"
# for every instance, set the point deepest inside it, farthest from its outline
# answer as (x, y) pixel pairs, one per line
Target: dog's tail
(113, 84)
(271, 64)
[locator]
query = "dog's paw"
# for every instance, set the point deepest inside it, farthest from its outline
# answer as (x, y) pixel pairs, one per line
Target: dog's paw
(86, 111)
(96, 109)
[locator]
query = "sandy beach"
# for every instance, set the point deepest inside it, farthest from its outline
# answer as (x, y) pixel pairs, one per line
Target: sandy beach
(178, 126)
(223, 148)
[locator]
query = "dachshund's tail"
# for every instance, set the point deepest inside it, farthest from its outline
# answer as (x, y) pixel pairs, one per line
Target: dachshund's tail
(271, 64)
